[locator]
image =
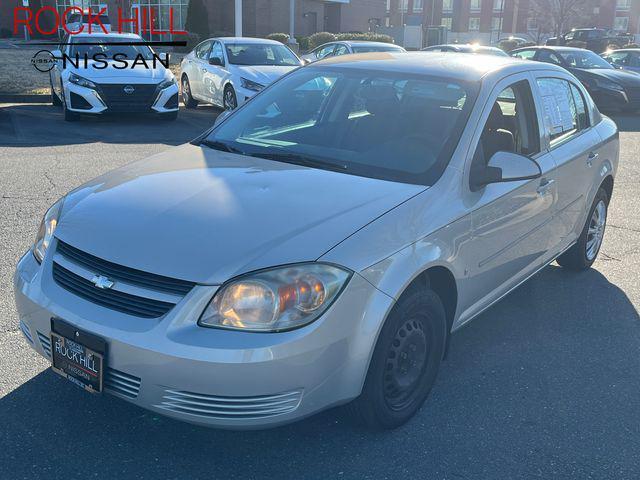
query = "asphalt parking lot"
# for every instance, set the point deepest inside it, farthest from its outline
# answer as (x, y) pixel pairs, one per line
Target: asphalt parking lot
(544, 385)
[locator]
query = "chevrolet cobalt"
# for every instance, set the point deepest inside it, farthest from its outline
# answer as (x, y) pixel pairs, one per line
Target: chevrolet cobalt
(319, 245)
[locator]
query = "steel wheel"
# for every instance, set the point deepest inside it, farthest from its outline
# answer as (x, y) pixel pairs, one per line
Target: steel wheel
(406, 361)
(230, 102)
(595, 233)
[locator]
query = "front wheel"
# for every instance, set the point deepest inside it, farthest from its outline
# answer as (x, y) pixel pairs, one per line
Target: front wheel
(230, 102)
(405, 361)
(55, 100)
(582, 255)
(69, 116)
(187, 98)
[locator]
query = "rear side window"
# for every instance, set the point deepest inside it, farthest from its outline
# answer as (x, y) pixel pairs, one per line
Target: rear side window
(564, 109)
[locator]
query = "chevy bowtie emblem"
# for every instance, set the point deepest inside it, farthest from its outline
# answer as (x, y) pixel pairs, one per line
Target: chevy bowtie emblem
(129, 89)
(102, 282)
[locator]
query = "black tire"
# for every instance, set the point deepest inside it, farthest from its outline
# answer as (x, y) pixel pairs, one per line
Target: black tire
(68, 115)
(55, 100)
(229, 99)
(187, 99)
(581, 256)
(405, 362)
(169, 117)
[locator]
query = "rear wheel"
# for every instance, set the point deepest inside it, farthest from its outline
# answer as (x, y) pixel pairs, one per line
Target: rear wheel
(187, 98)
(405, 361)
(230, 102)
(582, 255)
(55, 100)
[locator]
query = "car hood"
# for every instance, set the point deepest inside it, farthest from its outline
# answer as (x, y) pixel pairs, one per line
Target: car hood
(114, 73)
(626, 79)
(263, 74)
(206, 216)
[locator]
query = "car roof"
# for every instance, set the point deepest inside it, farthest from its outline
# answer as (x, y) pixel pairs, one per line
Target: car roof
(440, 64)
(367, 42)
(247, 40)
(552, 47)
(100, 33)
(465, 46)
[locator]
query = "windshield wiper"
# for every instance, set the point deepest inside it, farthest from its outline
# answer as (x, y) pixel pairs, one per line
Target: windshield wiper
(218, 145)
(300, 159)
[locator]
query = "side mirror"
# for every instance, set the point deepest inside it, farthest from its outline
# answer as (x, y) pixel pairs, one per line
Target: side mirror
(507, 167)
(217, 61)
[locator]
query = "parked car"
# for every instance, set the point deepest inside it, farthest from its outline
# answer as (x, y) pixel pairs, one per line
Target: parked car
(467, 48)
(319, 245)
(595, 39)
(228, 71)
(624, 59)
(611, 88)
(334, 49)
(104, 77)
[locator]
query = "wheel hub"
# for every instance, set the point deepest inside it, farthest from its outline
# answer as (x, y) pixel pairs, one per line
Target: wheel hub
(406, 360)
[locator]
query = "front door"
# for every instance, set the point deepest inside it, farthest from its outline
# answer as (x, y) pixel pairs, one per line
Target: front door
(512, 221)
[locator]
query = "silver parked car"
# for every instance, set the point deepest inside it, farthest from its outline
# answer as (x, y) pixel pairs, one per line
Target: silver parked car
(335, 49)
(624, 59)
(320, 244)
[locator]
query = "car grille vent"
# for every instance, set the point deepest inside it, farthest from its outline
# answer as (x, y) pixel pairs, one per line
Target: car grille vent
(121, 383)
(118, 101)
(45, 342)
(26, 332)
(230, 408)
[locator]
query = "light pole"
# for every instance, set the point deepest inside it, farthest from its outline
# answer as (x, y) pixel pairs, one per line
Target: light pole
(238, 18)
(292, 25)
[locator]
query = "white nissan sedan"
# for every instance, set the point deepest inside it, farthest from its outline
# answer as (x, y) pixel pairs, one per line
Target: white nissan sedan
(97, 74)
(319, 245)
(228, 71)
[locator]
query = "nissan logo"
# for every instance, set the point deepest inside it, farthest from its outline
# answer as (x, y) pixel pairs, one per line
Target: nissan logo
(129, 89)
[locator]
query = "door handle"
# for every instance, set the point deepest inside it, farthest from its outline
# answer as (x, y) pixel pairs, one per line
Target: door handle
(544, 187)
(592, 156)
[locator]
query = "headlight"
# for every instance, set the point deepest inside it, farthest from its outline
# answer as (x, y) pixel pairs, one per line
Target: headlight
(167, 84)
(274, 300)
(45, 232)
(608, 84)
(83, 82)
(251, 85)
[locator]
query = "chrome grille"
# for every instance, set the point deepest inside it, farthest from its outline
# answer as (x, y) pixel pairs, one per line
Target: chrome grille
(45, 342)
(112, 299)
(212, 406)
(121, 383)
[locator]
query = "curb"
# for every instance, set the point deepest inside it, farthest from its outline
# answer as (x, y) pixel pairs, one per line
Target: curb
(25, 98)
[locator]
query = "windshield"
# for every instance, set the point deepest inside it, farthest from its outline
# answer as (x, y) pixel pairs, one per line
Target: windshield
(583, 59)
(393, 126)
(108, 47)
(375, 48)
(75, 18)
(261, 54)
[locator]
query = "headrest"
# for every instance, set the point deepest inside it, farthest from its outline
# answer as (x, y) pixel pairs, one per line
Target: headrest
(496, 118)
(379, 99)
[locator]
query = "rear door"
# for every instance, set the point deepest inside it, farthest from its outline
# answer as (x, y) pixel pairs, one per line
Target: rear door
(573, 143)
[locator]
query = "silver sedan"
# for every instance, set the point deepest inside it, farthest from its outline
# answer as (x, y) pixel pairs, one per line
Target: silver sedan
(319, 245)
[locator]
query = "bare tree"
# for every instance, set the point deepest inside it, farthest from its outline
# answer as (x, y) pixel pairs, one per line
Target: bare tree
(559, 16)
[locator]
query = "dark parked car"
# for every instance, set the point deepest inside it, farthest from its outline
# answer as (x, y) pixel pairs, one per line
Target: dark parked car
(595, 39)
(611, 88)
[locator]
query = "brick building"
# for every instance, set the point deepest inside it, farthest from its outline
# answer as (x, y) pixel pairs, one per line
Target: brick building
(259, 17)
(487, 20)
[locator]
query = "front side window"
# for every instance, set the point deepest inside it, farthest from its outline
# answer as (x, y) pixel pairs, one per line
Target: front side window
(202, 50)
(564, 109)
(341, 50)
(393, 126)
(512, 126)
(217, 52)
(549, 57)
(325, 51)
(617, 58)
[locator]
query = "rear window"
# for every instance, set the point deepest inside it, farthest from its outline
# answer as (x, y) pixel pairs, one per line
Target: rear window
(377, 124)
(368, 48)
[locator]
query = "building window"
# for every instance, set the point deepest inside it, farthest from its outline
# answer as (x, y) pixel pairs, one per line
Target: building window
(417, 6)
(476, 5)
(623, 4)
(621, 24)
(498, 5)
(496, 24)
(447, 22)
(447, 5)
(474, 24)
(403, 5)
(532, 23)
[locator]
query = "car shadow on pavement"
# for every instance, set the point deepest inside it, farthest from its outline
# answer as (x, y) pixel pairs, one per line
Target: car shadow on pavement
(537, 379)
(44, 125)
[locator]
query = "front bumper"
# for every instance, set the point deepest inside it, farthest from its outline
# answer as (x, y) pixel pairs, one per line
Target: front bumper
(93, 102)
(215, 377)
